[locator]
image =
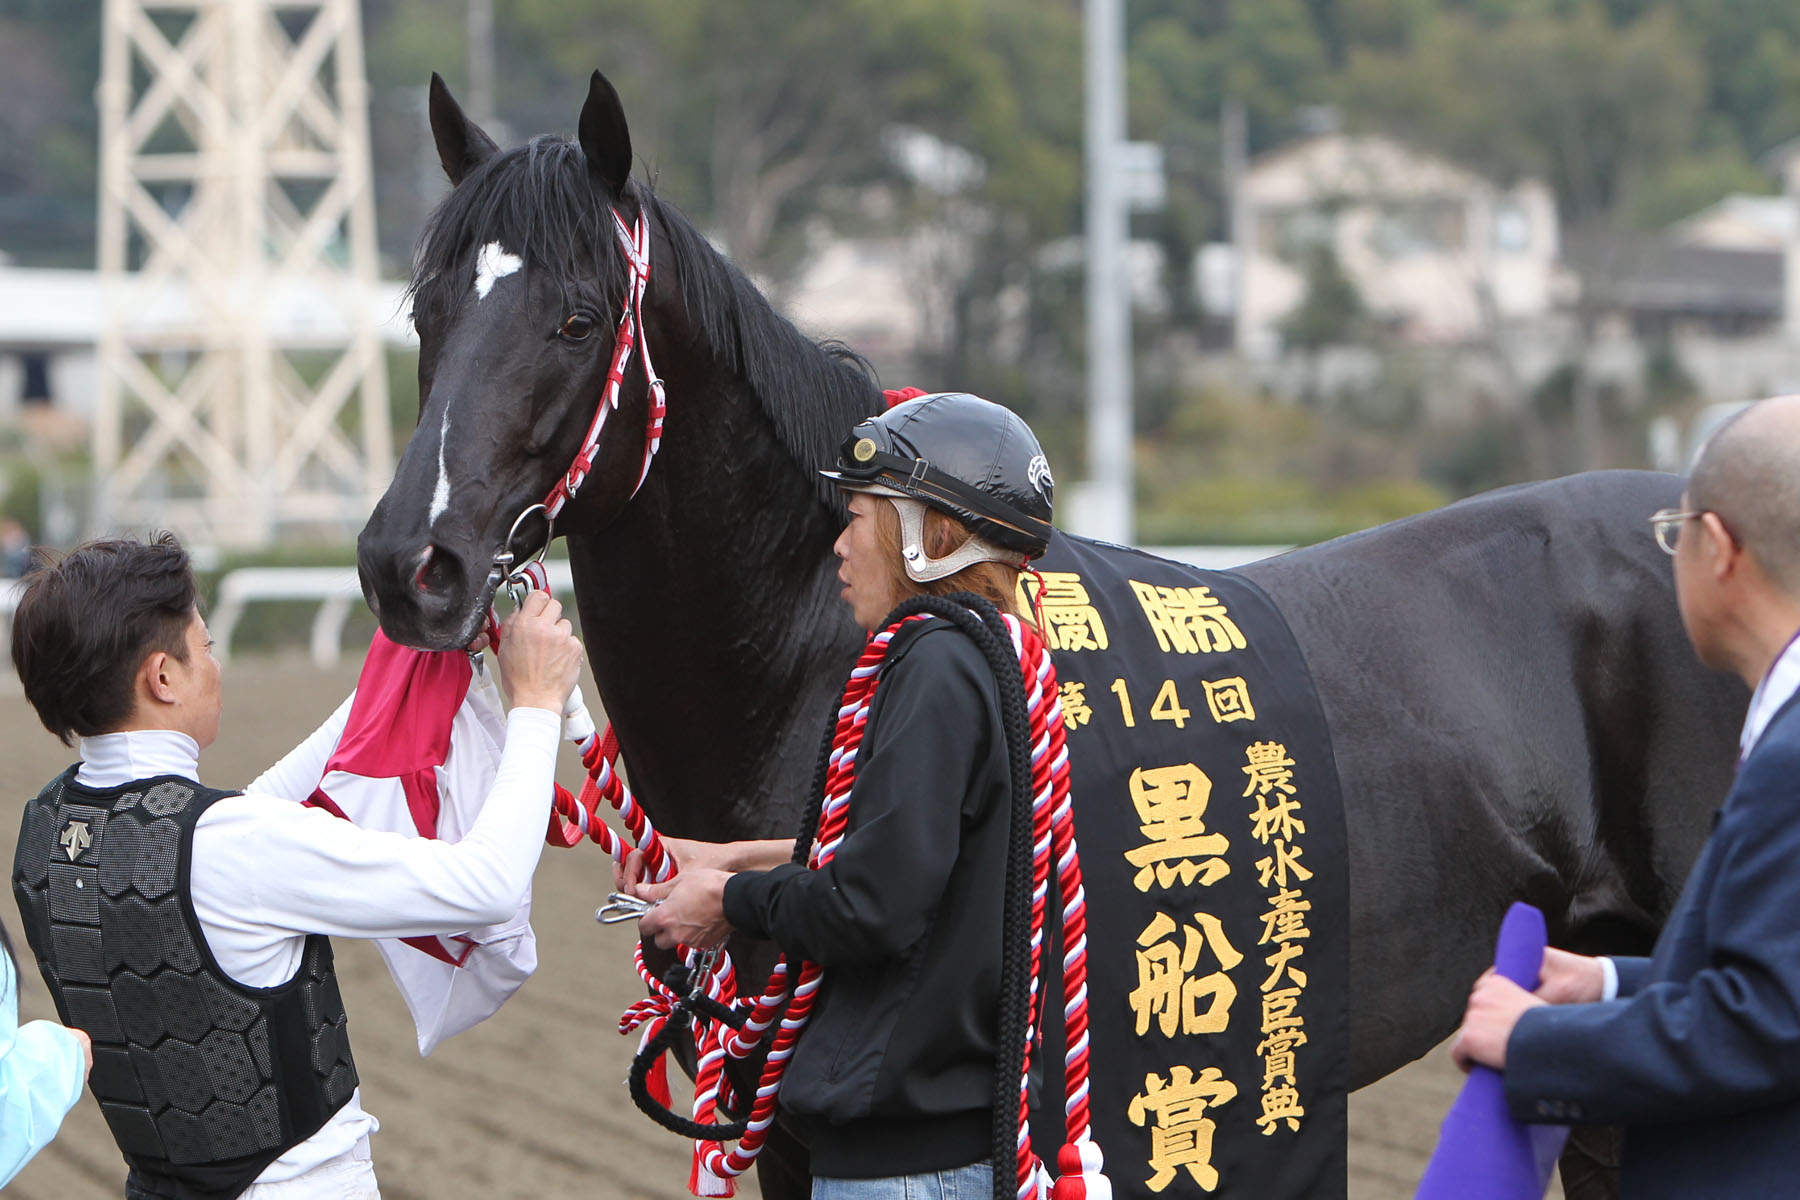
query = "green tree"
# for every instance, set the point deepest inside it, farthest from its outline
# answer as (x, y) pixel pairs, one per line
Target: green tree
(1332, 312)
(49, 130)
(752, 115)
(1598, 111)
(1752, 53)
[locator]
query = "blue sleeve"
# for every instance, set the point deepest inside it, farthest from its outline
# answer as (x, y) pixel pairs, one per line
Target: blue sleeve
(1632, 973)
(1726, 1038)
(41, 1074)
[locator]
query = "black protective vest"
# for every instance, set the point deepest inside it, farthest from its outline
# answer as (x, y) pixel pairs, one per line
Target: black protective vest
(204, 1081)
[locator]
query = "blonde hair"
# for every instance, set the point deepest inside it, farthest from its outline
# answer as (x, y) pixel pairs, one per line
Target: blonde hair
(995, 582)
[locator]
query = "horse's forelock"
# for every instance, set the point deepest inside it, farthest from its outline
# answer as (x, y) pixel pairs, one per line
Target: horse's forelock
(538, 202)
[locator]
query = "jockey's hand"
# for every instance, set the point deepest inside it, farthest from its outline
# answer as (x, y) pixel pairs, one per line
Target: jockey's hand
(719, 856)
(1566, 978)
(689, 909)
(540, 657)
(479, 644)
(685, 851)
(1494, 1008)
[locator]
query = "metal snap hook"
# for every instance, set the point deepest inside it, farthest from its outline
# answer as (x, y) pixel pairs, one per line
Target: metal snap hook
(621, 907)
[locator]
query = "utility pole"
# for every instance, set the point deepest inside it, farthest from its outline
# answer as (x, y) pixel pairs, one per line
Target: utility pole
(242, 384)
(1791, 305)
(1234, 146)
(1102, 505)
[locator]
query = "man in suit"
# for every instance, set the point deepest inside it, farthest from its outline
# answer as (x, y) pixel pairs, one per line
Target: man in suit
(1696, 1049)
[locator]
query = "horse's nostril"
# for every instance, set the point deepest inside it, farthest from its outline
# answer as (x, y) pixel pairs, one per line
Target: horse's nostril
(436, 572)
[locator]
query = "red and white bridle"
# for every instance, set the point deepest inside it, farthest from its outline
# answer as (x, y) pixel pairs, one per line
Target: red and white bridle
(635, 241)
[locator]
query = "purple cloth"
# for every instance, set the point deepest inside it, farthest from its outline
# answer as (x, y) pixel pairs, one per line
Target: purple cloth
(1482, 1153)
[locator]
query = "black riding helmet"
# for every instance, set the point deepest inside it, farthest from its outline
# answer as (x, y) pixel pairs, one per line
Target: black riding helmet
(961, 454)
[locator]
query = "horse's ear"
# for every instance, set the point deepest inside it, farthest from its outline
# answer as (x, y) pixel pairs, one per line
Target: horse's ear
(605, 138)
(461, 144)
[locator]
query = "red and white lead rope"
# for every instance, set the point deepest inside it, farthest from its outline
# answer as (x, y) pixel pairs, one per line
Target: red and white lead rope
(573, 817)
(1079, 1163)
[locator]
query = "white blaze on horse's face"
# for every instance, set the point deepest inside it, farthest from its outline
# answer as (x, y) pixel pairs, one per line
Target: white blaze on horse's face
(440, 495)
(493, 263)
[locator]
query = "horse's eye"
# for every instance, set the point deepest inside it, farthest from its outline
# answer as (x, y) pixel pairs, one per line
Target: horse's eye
(578, 327)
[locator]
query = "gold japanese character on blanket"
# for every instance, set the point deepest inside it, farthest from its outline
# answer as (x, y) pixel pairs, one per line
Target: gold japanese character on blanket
(1188, 620)
(1182, 1133)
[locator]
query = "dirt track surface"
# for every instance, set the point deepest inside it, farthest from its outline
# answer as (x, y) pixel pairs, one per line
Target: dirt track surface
(532, 1104)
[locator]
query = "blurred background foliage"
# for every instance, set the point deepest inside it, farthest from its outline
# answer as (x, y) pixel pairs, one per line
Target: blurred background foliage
(769, 123)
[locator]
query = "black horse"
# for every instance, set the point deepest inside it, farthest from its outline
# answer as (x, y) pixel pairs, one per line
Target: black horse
(1514, 708)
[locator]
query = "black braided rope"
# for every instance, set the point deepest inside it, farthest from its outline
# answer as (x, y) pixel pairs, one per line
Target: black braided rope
(689, 998)
(978, 618)
(812, 813)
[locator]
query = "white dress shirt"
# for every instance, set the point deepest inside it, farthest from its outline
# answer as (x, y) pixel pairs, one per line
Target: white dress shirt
(1775, 690)
(267, 871)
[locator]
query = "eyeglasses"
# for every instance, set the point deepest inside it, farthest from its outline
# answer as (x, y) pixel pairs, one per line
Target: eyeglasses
(1666, 523)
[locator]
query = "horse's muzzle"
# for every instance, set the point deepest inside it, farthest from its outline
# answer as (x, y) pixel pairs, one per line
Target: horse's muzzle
(426, 597)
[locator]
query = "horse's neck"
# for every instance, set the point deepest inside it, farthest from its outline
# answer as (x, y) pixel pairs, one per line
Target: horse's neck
(713, 622)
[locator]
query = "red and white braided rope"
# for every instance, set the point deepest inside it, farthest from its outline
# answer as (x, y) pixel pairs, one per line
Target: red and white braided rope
(575, 817)
(1053, 842)
(1053, 836)
(1079, 1163)
(714, 1162)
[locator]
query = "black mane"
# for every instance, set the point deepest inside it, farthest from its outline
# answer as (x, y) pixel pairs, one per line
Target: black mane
(812, 391)
(538, 201)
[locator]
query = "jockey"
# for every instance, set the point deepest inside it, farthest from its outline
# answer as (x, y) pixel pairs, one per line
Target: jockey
(898, 1071)
(184, 927)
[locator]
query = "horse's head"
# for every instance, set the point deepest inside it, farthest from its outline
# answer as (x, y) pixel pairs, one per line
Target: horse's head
(519, 284)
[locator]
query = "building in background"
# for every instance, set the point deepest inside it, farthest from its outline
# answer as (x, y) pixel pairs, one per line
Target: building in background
(1436, 253)
(1740, 222)
(1675, 285)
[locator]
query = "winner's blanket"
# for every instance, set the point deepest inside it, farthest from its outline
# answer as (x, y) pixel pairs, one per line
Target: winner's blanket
(1213, 846)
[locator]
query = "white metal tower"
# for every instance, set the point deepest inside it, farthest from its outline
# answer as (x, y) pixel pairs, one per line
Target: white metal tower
(242, 380)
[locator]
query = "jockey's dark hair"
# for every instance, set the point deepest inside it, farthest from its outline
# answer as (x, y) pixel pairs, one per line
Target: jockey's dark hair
(85, 623)
(979, 619)
(539, 202)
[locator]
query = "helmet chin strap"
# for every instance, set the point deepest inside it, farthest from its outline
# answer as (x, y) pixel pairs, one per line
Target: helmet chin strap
(922, 568)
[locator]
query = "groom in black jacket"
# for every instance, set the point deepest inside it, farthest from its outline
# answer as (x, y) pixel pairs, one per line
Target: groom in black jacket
(1696, 1050)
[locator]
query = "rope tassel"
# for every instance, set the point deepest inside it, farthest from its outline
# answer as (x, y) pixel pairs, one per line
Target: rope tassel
(1079, 1173)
